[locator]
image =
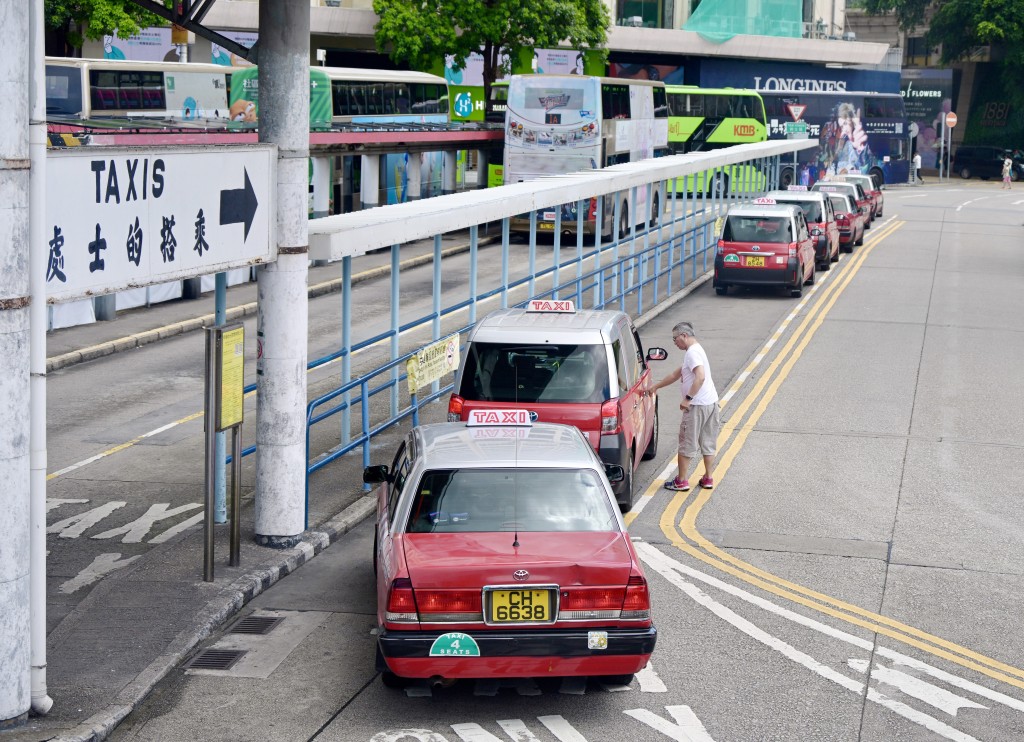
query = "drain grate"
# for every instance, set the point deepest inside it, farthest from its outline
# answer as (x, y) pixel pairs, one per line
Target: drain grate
(256, 625)
(216, 659)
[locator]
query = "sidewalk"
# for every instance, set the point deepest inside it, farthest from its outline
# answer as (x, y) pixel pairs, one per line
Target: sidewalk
(141, 621)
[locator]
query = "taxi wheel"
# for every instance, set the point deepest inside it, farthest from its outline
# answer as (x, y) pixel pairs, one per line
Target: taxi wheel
(797, 291)
(652, 446)
(615, 679)
(965, 173)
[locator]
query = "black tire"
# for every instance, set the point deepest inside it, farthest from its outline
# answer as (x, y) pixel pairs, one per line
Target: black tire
(846, 248)
(787, 177)
(615, 679)
(721, 290)
(626, 497)
(827, 265)
(719, 185)
(965, 172)
(1014, 175)
(652, 446)
(655, 211)
(798, 291)
(623, 222)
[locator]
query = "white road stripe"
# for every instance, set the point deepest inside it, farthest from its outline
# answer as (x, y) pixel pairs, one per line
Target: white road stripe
(687, 727)
(563, 730)
(175, 530)
(517, 730)
(649, 680)
(940, 698)
(101, 566)
(652, 556)
(794, 654)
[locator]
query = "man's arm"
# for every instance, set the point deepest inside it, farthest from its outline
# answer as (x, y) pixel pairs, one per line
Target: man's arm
(698, 381)
(670, 379)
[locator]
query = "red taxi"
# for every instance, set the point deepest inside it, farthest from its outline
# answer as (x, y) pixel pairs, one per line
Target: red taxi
(579, 367)
(499, 553)
(871, 188)
(854, 190)
(849, 218)
(764, 244)
(821, 221)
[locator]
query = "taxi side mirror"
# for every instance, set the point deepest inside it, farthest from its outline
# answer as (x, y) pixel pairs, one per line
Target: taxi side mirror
(375, 474)
(656, 354)
(614, 472)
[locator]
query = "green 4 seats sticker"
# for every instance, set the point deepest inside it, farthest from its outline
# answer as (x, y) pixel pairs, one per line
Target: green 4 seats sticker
(454, 644)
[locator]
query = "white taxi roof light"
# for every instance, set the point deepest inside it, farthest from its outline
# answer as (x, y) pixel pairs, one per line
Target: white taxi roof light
(551, 305)
(797, 188)
(498, 418)
(765, 200)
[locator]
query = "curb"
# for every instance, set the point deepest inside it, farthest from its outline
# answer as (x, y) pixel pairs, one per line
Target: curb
(146, 337)
(214, 614)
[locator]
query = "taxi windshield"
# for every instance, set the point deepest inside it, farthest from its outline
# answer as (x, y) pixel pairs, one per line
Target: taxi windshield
(501, 372)
(811, 209)
(757, 229)
(524, 500)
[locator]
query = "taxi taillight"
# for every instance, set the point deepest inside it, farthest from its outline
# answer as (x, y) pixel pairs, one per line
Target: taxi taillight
(842, 219)
(721, 247)
(610, 417)
(637, 603)
(455, 407)
(401, 602)
(592, 211)
(449, 604)
(792, 249)
(591, 599)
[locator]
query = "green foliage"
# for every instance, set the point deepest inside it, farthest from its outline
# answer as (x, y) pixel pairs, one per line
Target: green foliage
(422, 32)
(92, 19)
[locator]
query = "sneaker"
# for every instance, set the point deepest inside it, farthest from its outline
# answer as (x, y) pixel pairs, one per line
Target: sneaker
(677, 484)
(707, 483)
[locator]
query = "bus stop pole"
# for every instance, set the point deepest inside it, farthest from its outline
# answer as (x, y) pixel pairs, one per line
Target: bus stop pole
(220, 514)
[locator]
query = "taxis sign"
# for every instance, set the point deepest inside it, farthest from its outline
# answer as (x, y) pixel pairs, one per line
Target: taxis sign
(765, 201)
(498, 418)
(455, 644)
(432, 362)
(550, 305)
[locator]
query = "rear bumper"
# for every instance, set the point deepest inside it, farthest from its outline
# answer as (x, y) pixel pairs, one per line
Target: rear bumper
(524, 653)
(726, 275)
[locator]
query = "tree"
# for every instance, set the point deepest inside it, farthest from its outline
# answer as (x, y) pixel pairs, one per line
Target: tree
(421, 32)
(70, 22)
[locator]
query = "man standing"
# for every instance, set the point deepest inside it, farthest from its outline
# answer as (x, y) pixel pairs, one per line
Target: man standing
(698, 430)
(917, 167)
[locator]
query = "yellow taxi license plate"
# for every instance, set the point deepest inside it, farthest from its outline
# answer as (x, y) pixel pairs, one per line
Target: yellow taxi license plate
(545, 225)
(511, 606)
(755, 261)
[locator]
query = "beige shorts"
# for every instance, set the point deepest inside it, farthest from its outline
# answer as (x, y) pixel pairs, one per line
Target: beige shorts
(698, 431)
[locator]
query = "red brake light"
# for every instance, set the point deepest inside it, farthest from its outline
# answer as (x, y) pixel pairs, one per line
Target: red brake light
(591, 599)
(455, 407)
(592, 211)
(448, 602)
(610, 417)
(637, 603)
(792, 249)
(721, 247)
(401, 602)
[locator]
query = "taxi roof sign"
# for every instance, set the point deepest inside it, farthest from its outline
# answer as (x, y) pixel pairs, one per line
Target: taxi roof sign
(550, 305)
(765, 201)
(498, 418)
(797, 188)
(830, 189)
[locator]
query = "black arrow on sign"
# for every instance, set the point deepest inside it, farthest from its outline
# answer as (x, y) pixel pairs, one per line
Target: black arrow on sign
(239, 205)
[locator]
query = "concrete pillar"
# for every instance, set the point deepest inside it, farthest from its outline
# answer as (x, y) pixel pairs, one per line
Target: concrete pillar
(282, 314)
(369, 179)
(448, 169)
(321, 192)
(15, 640)
(414, 175)
(482, 159)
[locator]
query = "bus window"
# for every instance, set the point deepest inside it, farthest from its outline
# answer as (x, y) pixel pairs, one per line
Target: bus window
(104, 90)
(63, 90)
(153, 91)
(660, 104)
(615, 101)
(401, 91)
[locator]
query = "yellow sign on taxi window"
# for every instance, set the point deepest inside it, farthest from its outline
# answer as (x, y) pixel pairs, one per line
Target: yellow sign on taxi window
(232, 377)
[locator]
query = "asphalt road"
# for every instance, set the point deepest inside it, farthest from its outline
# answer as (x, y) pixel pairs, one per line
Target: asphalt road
(855, 575)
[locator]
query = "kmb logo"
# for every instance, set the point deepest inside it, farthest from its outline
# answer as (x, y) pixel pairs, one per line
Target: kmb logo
(743, 130)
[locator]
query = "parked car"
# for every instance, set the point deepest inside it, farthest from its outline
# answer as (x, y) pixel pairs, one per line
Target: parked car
(764, 244)
(579, 367)
(850, 220)
(821, 221)
(983, 162)
(873, 189)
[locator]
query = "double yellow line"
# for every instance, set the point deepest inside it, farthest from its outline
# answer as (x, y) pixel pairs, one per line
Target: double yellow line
(682, 532)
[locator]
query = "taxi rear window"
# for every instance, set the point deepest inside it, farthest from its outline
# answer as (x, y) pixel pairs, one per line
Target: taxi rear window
(501, 372)
(757, 229)
(840, 204)
(811, 209)
(489, 500)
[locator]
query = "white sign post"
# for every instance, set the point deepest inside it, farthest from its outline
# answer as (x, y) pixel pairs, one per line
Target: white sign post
(119, 218)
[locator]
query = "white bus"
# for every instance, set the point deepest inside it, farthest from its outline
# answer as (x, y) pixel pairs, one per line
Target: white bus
(557, 124)
(119, 88)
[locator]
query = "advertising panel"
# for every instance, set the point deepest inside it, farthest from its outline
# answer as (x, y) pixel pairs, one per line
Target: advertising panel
(928, 97)
(786, 76)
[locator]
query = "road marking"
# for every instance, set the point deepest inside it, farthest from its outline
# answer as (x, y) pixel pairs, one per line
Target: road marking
(403, 735)
(135, 531)
(563, 730)
(517, 731)
(649, 680)
(685, 728)
(76, 525)
(52, 503)
(1015, 203)
(175, 530)
(973, 200)
(709, 553)
(795, 655)
(940, 698)
(100, 567)
(662, 562)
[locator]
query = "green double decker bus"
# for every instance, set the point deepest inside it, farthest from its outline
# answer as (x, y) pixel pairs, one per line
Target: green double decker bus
(702, 119)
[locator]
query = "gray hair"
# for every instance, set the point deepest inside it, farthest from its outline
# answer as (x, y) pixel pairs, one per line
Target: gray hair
(683, 328)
